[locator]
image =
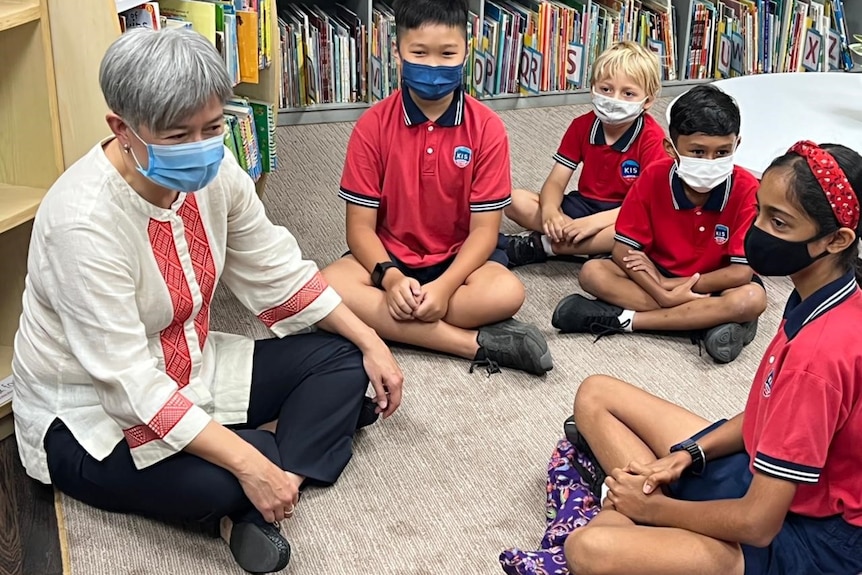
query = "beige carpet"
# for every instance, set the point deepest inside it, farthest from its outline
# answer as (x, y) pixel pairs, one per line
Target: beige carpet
(458, 473)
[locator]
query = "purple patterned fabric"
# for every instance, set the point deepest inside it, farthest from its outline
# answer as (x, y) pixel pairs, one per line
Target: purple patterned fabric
(542, 562)
(570, 505)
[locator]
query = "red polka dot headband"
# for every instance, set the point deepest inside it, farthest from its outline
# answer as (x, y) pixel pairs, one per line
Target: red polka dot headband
(834, 182)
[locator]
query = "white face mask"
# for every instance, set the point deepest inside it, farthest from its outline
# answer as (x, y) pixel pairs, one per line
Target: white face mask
(703, 175)
(612, 111)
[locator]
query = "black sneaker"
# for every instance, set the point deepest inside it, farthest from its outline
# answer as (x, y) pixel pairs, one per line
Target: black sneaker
(577, 314)
(525, 248)
(724, 342)
(750, 332)
(367, 413)
(595, 478)
(513, 344)
(259, 548)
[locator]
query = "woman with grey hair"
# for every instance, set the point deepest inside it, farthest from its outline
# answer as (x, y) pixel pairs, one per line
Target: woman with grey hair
(124, 398)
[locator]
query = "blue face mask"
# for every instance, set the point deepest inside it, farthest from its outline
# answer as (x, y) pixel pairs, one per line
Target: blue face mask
(431, 82)
(183, 167)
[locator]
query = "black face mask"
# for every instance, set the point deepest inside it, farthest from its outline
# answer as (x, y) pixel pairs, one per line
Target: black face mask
(769, 255)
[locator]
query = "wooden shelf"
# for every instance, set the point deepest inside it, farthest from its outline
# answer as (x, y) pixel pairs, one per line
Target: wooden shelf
(18, 204)
(15, 13)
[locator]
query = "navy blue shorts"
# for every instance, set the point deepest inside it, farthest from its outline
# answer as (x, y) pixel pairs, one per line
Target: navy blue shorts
(804, 546)
(428, 274)
(577, 206)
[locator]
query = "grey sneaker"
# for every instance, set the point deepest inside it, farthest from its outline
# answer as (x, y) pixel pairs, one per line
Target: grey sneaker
(525, 248)
(577, 314)
(724, 342)
(750, 331)
(513, 344)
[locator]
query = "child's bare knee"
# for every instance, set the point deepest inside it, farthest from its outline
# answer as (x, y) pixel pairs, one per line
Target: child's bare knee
(591, 397)
(511, 211)
(590, 277)
(512, 292)
(749, 302)
(588, 550)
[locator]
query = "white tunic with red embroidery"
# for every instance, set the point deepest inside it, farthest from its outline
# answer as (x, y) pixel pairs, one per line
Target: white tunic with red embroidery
(114, 339)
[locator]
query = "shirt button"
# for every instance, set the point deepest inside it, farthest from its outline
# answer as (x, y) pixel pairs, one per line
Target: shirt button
(771, 359)
(701, 228)
(699, 213)
(430, 150)
(430, 128)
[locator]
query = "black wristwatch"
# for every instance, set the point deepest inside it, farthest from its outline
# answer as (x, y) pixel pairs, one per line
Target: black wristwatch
(379, 272)
(698, 458)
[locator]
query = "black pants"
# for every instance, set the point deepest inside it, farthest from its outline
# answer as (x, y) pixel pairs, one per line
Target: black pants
(313, 384)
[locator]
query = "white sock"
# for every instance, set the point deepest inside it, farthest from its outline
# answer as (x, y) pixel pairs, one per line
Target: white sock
(605, 491)
(546, 244)
(627, 319)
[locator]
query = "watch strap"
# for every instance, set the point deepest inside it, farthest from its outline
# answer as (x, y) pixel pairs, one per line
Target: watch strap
(380, 272)
(698, 457)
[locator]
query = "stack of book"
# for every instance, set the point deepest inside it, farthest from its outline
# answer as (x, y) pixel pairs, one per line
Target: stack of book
(738, 37)
(531, 47)
(325, 58)
(239, 29)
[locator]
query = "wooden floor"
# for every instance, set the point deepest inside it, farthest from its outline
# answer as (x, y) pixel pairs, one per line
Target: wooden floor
(29, 541)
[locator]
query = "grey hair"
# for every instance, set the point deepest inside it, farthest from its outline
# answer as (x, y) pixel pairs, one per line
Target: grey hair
(157, 79)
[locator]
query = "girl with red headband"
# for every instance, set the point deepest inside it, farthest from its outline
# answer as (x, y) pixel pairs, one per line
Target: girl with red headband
(776, 490)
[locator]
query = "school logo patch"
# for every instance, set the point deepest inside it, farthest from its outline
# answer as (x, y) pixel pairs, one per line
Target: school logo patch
(462, 157)
(767, 385)
(630, 170)
(722, 234)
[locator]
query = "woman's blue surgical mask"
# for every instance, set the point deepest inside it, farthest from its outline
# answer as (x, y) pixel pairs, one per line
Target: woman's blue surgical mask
(185, 167)
(431, 82)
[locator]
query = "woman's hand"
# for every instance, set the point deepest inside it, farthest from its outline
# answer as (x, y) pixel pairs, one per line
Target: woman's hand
(385, 376)
(660, 472)
(268, 488)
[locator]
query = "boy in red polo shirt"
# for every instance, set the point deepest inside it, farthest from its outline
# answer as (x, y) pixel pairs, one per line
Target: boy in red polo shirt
(679, 240)
(614, 142)
(426, 178)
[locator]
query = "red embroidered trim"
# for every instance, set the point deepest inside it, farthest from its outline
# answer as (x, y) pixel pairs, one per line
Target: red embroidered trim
(296, 303)
(202, 263)
(834, 182)
(175, 348)
(161, 424)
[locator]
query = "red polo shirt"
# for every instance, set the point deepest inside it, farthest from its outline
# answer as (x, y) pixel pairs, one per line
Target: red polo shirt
(658, 219)
(803, 419)
(426, 178)
(609, 171)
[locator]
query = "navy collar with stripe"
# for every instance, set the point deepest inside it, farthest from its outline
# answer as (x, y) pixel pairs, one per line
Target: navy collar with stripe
(597, 135)
(716, 202)
(798, 313)
(453, 116)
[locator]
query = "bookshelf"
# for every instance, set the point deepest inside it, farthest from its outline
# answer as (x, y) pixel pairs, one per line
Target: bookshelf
(29, 117)
(677, 17)
(222, 22)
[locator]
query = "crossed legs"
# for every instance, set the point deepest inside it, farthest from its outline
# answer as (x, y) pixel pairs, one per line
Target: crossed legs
(622, 424)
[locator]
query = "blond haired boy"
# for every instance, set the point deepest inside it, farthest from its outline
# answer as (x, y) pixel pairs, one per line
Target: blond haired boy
(614, 142)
